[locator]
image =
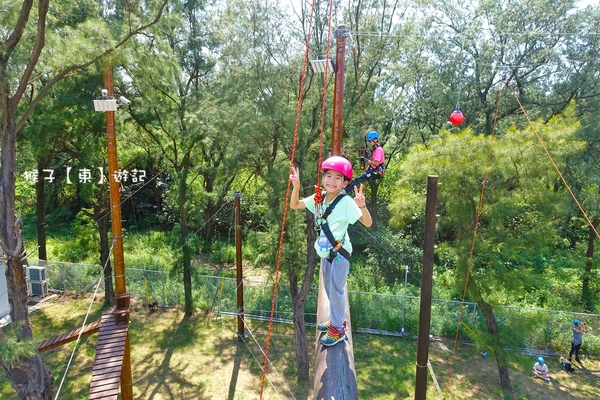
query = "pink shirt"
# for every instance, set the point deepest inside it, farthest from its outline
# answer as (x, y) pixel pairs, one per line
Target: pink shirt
(378, 155)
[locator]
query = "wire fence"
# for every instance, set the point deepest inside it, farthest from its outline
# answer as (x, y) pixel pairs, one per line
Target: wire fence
(527, 329)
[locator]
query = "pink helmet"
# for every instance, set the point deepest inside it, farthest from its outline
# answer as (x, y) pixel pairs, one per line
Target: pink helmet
(339, 164)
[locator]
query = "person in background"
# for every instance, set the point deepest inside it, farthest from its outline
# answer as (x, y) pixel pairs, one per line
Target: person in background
(566, 366)
(374, 165)
(540, 370)
(578, 331)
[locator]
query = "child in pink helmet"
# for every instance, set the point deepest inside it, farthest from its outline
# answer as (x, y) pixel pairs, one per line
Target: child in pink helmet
(335, 266)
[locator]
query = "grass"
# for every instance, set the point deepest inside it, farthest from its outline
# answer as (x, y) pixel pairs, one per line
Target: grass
(174, 357)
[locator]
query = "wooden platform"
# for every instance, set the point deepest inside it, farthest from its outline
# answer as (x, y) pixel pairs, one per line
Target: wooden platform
(70, 336)
(106, 371)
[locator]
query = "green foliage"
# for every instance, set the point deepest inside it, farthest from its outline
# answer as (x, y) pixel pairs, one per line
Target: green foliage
(222, 252)
(12, 350)
(84, 243)
(148, 250)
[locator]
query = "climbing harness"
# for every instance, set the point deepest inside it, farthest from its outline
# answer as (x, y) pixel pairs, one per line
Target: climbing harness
(322, 225)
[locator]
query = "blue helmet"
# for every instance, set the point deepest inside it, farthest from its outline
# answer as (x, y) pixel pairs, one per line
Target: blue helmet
(576, 321)
(540, 360)
(372, 135)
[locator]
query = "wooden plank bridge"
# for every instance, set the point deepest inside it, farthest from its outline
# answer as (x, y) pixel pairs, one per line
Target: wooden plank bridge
(106, 372)
(113, 336)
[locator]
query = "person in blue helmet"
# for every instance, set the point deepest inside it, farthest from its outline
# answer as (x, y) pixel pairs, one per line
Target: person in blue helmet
(540, 370)
(375, 164)
(578, 331)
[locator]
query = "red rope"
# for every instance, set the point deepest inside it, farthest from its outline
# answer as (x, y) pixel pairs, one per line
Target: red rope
(562, 178)
(287, 202)
(481, 203)
(479, 207)
(318, 196)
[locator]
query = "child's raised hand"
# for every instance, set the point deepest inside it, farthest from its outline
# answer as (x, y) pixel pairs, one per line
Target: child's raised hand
(295, 176)
(359, 198)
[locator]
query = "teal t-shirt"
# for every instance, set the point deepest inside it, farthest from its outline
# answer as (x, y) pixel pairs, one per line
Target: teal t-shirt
(346, 212)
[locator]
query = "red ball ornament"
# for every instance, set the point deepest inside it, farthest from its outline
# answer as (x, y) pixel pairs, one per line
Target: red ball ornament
(457, 117)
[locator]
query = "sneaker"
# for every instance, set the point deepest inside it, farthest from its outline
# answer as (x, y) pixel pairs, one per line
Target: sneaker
(333, 336)
(325, 326)
(546, 379)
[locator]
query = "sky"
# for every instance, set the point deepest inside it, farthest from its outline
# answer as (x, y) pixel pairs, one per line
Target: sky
(584, 3)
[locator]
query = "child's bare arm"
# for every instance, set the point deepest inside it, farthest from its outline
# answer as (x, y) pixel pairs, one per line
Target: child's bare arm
(295, 203)
(360, 200)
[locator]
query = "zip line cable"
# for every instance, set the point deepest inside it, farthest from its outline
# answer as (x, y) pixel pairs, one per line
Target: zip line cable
(386, 249)
(84, 322)
(132, 194)
(264, 354)
(562, 178)
(287, 197)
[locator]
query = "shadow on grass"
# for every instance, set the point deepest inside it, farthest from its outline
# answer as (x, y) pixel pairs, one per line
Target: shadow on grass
(169, 378)
(235, 372)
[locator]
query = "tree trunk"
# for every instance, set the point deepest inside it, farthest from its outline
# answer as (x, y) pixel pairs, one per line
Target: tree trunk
(298, 305)
(586, 293)
(187, 273)
(28, 376)
(299, 297)
(40, 211)
(496, 345)
(101, 218)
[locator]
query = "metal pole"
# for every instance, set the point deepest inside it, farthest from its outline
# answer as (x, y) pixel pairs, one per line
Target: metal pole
(426, 288)
(338, 90)
(549, 332)
(117, 230)
(238, 262)
(404, 308)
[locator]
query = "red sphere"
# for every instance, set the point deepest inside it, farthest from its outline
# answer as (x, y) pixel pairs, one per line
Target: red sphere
(456, 117)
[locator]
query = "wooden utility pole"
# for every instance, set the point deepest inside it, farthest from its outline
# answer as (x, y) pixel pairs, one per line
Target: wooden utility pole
(117, 230)
(335, 376)
(338, 90)
(426, 288)
(238, 263)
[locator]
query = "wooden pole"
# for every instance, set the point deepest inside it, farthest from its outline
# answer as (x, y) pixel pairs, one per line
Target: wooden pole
(426, 287)
(335, 376)
(338, 90)
(117, 229)
(238, 262)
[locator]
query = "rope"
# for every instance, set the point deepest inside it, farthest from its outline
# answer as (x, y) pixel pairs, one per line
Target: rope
(318, 191)
(287, 199)
(564, 181)
(479, 207)
(84, 322)
(481, 203)
(132, 194)
(264, 354)
(477, 336)
(437, 385)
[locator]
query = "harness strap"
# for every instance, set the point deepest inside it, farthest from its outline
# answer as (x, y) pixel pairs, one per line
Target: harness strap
(337, 244)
